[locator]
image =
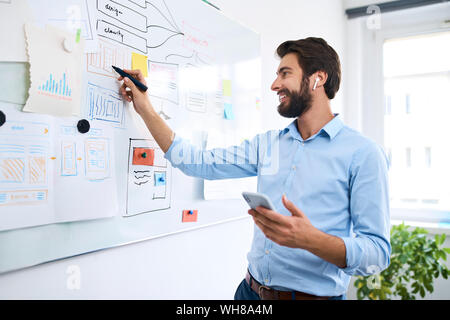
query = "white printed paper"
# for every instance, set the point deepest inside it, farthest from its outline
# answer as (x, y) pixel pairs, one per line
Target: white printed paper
(55, 73)
(49, 172)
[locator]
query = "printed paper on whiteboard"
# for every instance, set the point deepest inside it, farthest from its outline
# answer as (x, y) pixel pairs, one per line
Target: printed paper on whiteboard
(55, 73)
(49, 172)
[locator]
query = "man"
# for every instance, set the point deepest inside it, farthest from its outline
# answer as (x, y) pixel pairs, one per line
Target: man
(336, 223)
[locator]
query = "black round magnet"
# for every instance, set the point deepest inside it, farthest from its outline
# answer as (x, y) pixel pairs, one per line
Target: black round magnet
(83, 126)
(2, 118)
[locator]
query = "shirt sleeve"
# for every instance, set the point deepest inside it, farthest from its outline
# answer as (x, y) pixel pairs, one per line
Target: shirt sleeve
(368, 252)
(218, 163)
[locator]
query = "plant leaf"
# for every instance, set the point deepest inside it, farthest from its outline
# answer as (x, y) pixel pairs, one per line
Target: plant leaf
(429, 286)
(422, 292)
(444, 273)
(437, 239)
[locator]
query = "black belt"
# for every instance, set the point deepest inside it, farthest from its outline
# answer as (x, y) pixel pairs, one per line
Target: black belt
(266, 293)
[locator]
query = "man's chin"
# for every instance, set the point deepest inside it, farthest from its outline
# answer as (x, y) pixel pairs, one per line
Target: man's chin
(284, 111)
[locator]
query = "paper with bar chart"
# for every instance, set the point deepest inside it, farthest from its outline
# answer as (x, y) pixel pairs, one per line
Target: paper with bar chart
(55, 73)
(56, 87)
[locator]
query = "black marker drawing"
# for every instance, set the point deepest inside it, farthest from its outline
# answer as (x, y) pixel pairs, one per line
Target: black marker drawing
(149, 185)
(127, 26)
(141, 183)
(144, 176)
(123, 14)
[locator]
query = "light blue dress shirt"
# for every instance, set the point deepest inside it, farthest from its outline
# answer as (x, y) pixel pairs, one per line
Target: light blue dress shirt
(337, 177)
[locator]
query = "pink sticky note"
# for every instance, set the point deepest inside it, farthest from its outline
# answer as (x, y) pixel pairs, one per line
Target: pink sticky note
(190, 215)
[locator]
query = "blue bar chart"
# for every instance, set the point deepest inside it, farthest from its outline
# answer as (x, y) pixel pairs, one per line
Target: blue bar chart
(54, 86)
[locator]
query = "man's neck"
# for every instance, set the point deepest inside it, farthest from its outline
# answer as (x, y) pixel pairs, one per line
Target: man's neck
(314, 119)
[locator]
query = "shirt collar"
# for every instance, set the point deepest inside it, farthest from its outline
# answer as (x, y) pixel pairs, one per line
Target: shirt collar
(332, 128)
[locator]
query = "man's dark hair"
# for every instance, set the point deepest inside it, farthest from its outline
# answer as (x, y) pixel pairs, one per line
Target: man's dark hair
(314, 54)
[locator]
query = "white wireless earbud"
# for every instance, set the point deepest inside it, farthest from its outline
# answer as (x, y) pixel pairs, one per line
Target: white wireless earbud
(315, 83)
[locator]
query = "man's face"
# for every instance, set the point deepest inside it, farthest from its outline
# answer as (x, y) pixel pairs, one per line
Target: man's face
(292, 88)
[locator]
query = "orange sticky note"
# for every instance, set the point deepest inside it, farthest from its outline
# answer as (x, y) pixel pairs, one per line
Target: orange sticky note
(143, 156)
(139, 61)
(190, 215)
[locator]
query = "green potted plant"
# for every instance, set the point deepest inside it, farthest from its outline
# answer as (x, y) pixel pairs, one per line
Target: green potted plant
(416, 260)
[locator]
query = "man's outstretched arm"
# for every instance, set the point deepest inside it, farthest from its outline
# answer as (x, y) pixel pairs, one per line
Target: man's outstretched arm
(158, 128)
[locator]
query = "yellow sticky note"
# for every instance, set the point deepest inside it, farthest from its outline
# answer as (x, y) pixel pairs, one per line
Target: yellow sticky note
(227, 88)
(139, 61)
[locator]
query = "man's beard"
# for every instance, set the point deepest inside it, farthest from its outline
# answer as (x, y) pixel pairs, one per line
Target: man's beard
(299, 102)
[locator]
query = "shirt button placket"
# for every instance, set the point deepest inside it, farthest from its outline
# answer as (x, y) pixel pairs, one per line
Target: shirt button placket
(266, 260)
(290, 177)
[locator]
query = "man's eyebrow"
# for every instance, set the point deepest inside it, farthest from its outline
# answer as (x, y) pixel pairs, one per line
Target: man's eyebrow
(284, 69)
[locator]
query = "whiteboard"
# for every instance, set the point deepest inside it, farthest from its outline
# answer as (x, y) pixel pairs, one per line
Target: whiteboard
(204, 80)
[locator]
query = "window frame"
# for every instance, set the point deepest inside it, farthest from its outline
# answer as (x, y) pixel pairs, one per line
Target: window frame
(369, 117)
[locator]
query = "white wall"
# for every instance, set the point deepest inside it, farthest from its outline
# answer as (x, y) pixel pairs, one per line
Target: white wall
(207, 263)
(278, 21)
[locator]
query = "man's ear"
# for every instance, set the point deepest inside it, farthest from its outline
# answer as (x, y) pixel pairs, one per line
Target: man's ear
(318, 79)
(316, 83)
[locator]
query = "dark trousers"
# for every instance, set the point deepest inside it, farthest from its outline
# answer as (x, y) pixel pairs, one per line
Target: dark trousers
(244, 292)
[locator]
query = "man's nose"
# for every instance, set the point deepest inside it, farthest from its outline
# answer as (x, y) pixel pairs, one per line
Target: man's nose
(275, 85)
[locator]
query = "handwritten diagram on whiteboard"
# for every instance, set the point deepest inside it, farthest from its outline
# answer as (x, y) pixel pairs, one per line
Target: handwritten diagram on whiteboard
(163, 80)
(149, 28)
(105, 57)
(149, 178)
(105, 105)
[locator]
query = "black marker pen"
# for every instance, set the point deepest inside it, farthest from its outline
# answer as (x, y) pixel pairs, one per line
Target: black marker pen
(138, 84)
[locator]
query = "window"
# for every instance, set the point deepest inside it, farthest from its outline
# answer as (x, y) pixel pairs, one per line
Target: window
(399, 84)
(417, 77)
